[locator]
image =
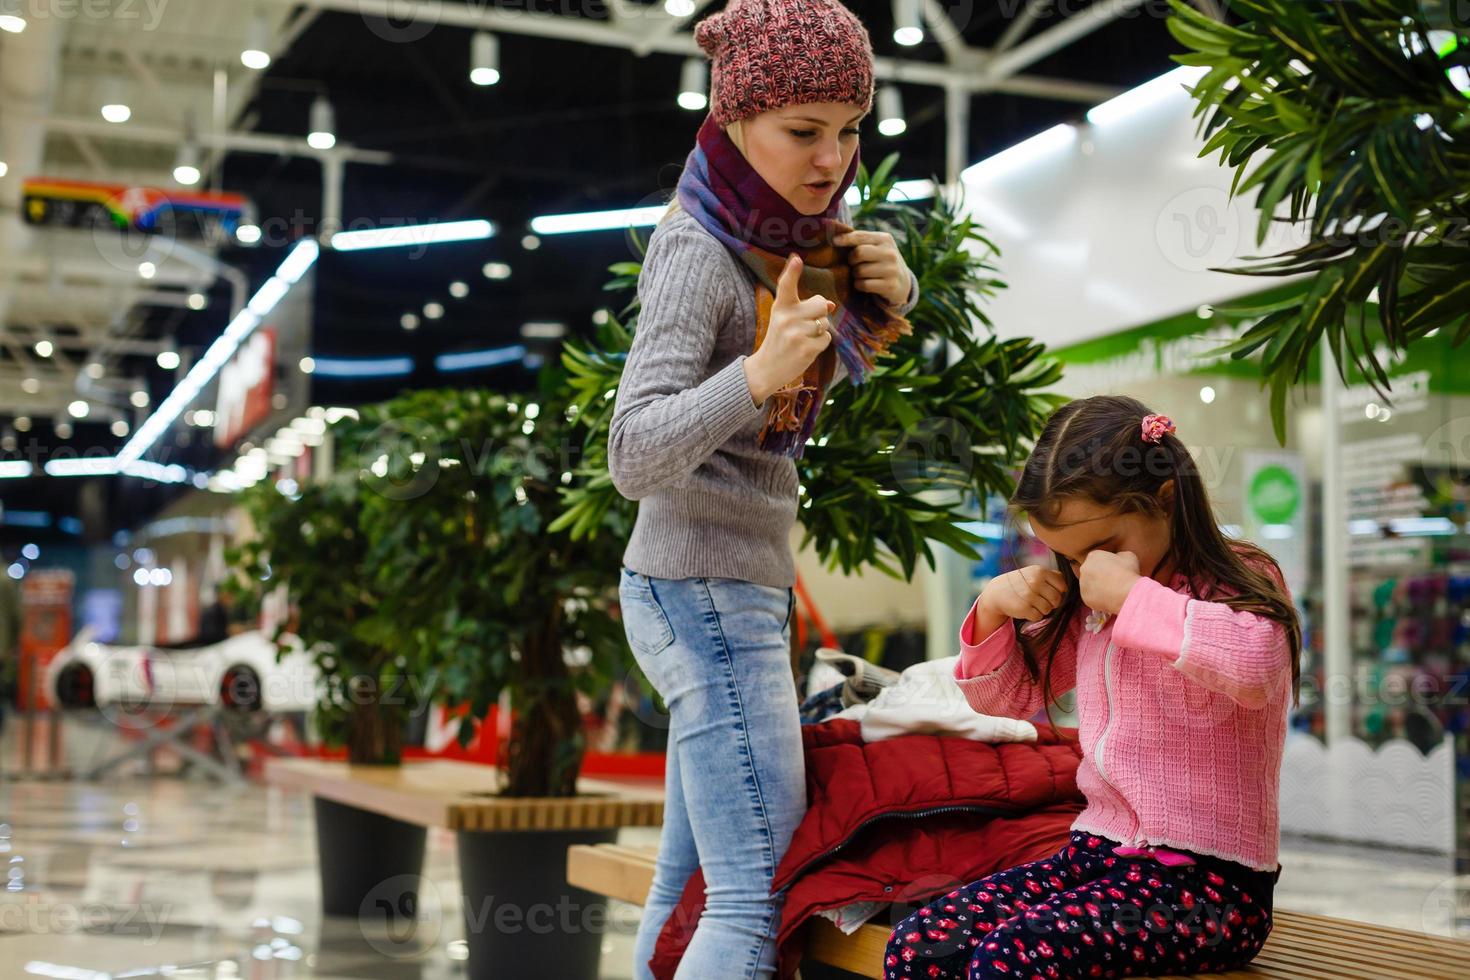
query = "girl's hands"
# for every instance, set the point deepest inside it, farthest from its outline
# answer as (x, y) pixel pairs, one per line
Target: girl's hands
(799, 330)
(877, 267)
(1106, 578)
(1028, 593)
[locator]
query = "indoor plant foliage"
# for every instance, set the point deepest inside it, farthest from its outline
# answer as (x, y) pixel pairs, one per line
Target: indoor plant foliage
(311, 541)
(459, 487)
(891, 461)
(1362, 105)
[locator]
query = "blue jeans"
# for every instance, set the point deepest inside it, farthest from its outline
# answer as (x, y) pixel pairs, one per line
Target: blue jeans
(718, 651)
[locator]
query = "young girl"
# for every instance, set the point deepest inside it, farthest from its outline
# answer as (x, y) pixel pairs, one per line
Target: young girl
(1184, 659)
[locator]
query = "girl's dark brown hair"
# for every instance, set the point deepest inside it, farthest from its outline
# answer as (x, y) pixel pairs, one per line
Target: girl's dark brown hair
(1093, 448)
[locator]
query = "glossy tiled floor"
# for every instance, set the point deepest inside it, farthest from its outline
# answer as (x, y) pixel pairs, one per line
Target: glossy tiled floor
(170, 876)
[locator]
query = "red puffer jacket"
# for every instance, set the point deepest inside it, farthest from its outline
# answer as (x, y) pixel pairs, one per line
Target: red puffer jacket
(903, 820)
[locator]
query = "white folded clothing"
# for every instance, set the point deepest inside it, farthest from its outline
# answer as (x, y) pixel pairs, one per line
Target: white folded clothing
(850, 918)
(926, 701)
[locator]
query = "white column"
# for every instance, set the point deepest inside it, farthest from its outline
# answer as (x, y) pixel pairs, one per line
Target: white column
(957, 128)
(1337, 653)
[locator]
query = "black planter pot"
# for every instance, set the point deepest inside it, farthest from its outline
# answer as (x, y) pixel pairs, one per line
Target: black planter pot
(522, 919)
(359, 853)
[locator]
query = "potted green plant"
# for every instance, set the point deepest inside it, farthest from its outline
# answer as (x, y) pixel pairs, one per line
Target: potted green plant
(310, 540)
(1353, 116)
(459, 489)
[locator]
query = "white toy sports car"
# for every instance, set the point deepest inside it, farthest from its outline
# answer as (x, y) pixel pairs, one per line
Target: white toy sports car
(241, 671)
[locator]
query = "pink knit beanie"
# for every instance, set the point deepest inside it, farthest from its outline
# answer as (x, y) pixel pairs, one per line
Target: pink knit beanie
(769, 54)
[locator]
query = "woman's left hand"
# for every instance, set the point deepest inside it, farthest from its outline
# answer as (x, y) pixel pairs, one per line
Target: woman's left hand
(877, 267)
(1106, 578)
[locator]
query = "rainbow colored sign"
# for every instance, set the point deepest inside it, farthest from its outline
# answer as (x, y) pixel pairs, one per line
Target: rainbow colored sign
(84, 203)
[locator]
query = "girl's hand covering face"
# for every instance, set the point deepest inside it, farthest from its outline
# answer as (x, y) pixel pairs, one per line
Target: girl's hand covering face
(1106, 577)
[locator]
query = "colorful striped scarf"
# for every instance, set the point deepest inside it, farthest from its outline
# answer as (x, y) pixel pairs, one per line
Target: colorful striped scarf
(731, 201)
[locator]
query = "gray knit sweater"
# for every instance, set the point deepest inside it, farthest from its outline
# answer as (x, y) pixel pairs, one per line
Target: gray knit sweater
(685, 425)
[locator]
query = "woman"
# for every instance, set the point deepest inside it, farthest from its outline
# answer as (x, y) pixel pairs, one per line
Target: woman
(755, 298)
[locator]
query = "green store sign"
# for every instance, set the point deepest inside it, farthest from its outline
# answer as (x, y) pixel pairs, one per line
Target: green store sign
(1176, 346)
(1274, 495)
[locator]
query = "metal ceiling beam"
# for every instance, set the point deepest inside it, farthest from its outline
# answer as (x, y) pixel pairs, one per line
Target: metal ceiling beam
(121, 345)
(668, 27)
(20, 346)
(949, 38)
(95, 164)
(145, 73)
(1017, 28)
(41, 269)
(246, 142)
(1079, 25)
(977, 71)
(238, 96)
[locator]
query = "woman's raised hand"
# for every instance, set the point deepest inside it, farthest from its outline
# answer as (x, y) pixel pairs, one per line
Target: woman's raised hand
(799, 330)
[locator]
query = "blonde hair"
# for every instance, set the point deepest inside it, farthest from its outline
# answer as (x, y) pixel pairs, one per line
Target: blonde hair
(736, 132)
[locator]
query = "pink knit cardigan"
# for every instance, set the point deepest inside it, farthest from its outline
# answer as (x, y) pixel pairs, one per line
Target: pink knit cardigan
(1182, 708)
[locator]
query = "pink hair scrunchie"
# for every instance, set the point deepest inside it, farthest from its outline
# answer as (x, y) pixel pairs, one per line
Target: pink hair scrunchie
(1155, 426)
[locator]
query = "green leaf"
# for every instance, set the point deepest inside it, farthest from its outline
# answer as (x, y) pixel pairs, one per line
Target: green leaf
(1279, 388)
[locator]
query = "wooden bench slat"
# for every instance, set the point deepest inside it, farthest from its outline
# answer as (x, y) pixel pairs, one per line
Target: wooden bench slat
(461, 796)
(1410, 943)
(1287, 951)
(1362, 956)
(1279, 957)
(860, 953)
(1302, 945)
(1388, 952)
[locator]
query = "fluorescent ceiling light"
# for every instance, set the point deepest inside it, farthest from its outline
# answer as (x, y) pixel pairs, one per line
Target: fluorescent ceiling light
(1140, 98)
(404, 235)
(295, 265)
(363, 367)
(470, 360)
(1023, 154)
(616, 220)
(86, 466)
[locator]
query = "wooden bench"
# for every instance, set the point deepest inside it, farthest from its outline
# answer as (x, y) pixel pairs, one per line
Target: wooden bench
(1301, 946)
(371, 823)
(462, 796)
